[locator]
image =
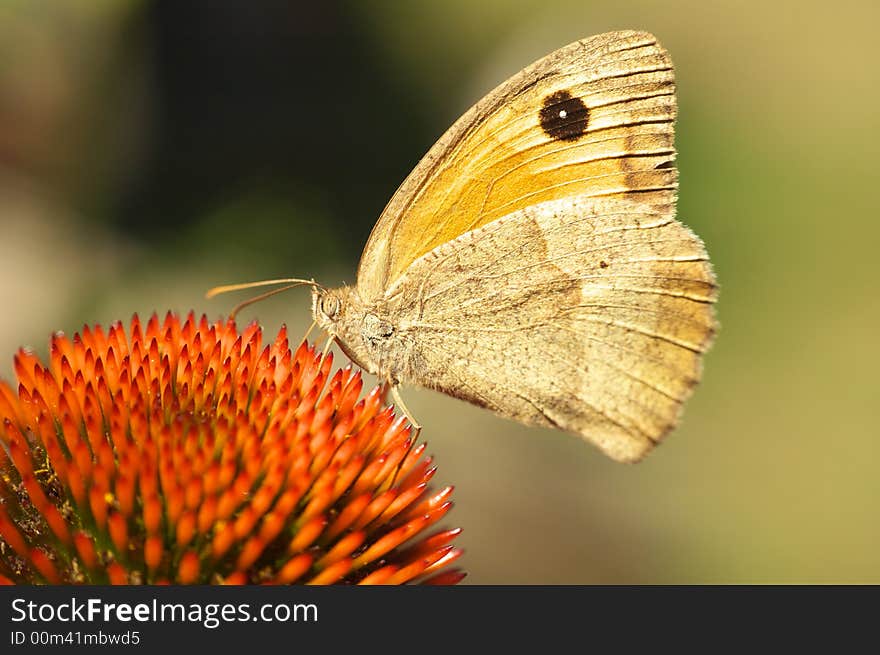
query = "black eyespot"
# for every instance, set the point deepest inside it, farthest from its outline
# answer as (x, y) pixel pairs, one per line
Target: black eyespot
(330, 306)
(564, 117)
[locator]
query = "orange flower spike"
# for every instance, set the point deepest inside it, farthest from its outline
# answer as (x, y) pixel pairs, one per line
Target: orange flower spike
(237, 578)
(88, 367)
(300, 356)
(346, 517)
(118, 532)
(174, 502)
(152, 514)
(343, 548)
(188, 570)
(29, 410)
(288, 500)
(44, 566)
(372, 404)
(349, 395)
(434, 542)
(226, 472)
(19, 451)
(136, 331)
(446, 578)
(139, 385)
(403, 500)
(185, 528)
(9, 407)
(56, 356)
(294, 569)
(183, 370)
(228, 503)
(379, 576)
(76, 482)
(152, 329)
(245, 522)
(118, 419)
(125, 492)
(367, 479)
(271, 525)
(93, 418)
(450, 555)
(99, 340)
(116, 339)
(104, 452)
(50, 390)
(378, 505)
(25, 364)
(193, 493)
(391, 540)
(262, 500)
(85, 549)
(375, 429)
(414, 470)
(98, 505)
(126, 395)
(385, 476)
(284, 377)
(307, 534)
(437, 514)
(416, 568)
(320, 421)
(34, 491)
(250, 552)
(320, 501)
(189, 430)
(199, 369)
(430, 503)
(281, 346)
(153, 551)
(224, 537)
(11, 535)
(346, 451)
(78, 354)
(332, 573)
(207, 514)
(168, 396)
(111, 366)
(347, 476)
(57, 461)
(98, 377)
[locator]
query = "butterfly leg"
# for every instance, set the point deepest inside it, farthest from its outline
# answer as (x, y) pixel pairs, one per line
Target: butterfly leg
(327, 348)
(414, 434)
(309, 331)
(398, 401)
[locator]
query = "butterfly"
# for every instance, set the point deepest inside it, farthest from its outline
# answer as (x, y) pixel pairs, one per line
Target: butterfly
(532, 264)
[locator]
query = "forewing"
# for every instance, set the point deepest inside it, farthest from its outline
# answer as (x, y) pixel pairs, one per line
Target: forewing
(594, 118)
(585, 314)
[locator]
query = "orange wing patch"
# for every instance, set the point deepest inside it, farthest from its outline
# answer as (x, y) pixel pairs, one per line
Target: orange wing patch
(594, 118)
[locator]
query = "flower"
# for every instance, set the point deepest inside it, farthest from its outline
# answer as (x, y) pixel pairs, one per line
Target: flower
(185, 452)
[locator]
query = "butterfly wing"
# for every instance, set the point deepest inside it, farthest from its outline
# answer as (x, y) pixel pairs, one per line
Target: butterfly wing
(594, 118)
(585, 314)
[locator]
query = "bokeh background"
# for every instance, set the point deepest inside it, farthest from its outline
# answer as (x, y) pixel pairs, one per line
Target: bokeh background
(150, 150)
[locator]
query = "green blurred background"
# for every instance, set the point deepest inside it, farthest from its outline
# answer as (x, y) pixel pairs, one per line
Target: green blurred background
(150, 150)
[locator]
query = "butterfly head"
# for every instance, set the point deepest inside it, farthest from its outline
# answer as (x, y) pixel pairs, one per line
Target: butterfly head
(364, 333)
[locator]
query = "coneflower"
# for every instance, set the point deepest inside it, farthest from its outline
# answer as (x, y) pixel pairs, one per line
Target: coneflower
(187, 452)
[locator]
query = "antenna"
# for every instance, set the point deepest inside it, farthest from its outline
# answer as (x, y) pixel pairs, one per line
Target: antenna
(289, 283)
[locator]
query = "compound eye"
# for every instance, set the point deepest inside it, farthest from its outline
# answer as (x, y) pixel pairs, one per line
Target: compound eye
(330, 306)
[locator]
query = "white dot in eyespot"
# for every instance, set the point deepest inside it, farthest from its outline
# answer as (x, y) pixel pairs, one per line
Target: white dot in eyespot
(562, 113)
